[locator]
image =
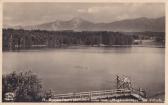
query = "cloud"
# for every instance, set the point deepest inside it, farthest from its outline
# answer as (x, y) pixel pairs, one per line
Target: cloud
(82, 10)
(127, 11)
(33, 13)
(94, 9)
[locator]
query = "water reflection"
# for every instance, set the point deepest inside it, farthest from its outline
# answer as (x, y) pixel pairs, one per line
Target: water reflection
(91, 68)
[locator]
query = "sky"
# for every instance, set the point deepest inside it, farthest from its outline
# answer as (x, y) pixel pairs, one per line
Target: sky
(24, 14)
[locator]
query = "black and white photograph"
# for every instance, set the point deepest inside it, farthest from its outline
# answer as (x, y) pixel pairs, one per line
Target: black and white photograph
(83, 52)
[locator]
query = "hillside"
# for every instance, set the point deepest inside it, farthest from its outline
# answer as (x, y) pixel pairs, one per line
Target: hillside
(77, 24)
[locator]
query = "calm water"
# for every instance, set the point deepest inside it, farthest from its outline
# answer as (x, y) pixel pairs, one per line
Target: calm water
(91, 68)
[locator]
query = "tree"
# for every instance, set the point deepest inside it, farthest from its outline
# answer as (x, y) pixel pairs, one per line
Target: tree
(25, 85)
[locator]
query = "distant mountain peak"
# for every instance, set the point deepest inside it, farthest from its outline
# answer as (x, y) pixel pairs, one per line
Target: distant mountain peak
(128, 25)
(77, 19)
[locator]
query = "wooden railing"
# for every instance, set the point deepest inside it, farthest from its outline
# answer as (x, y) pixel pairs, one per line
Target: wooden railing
(92, 96)
(124, 90)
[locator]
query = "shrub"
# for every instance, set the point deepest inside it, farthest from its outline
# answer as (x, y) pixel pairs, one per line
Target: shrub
(25, 85)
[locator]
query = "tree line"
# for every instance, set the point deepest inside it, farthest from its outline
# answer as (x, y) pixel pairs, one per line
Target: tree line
(25, 39)
(28, 39)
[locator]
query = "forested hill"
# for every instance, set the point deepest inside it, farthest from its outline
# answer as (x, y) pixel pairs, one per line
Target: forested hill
(27, 39)
(78, 24)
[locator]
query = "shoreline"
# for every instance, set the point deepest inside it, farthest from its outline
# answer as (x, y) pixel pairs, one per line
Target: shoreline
(86, 46)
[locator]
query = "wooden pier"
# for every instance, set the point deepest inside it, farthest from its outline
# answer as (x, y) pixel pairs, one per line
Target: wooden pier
(123, 93)
(99, 96)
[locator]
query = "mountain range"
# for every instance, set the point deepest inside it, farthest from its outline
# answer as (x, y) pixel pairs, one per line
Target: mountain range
(78, 24)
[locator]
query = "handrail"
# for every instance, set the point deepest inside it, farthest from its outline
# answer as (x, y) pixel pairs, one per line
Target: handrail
(92, 93)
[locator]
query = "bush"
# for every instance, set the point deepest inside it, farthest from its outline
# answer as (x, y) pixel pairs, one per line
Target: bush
(25, 85)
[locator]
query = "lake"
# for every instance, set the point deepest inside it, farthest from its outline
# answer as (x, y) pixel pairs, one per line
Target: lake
(91, 68)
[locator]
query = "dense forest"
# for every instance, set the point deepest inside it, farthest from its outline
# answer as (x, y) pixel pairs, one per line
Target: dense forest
(28, 39)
